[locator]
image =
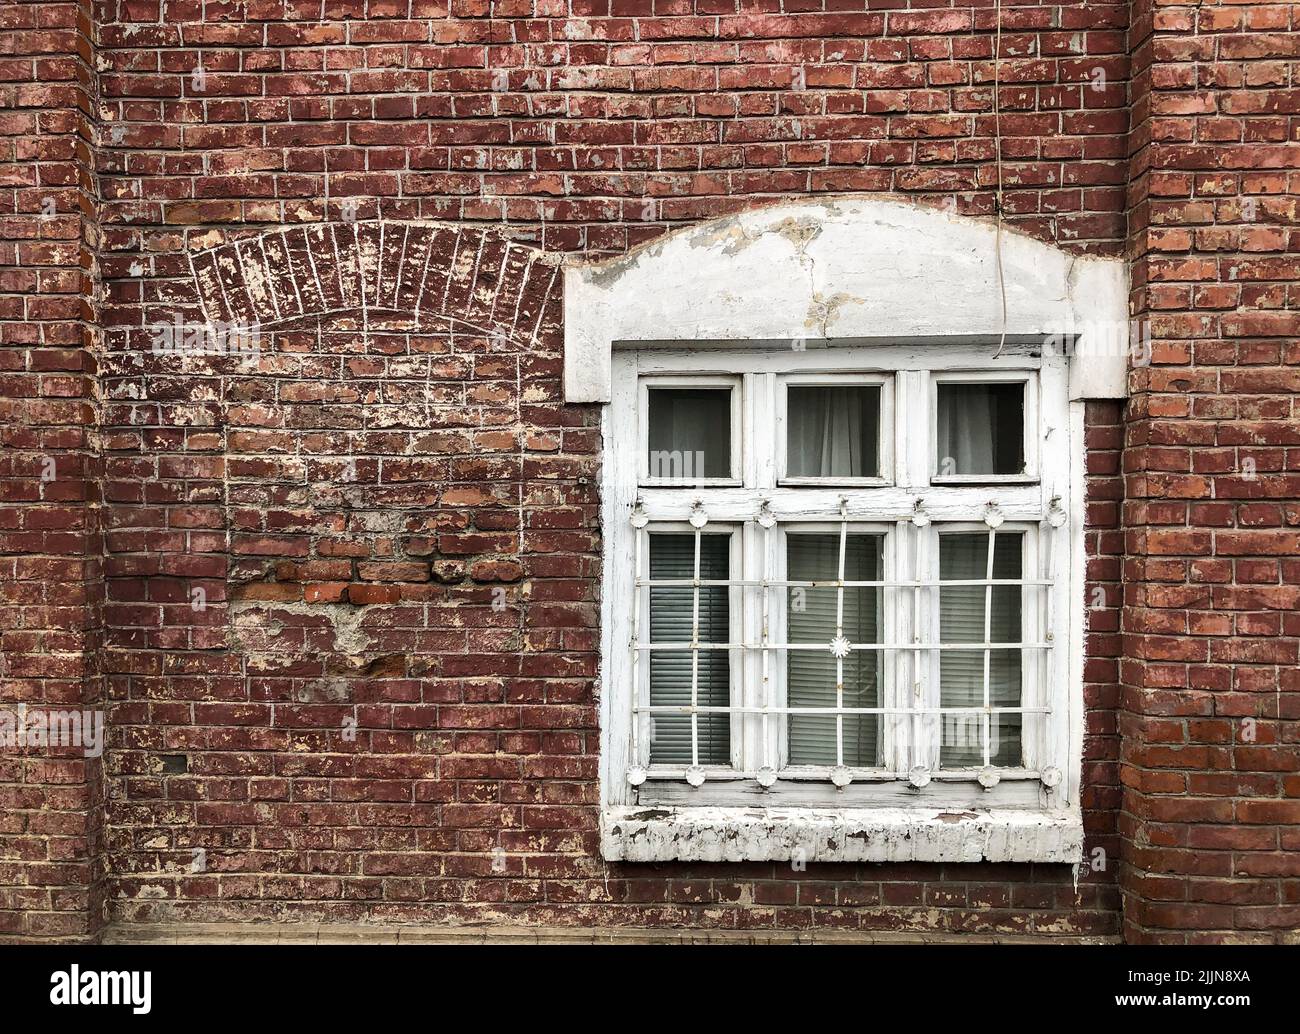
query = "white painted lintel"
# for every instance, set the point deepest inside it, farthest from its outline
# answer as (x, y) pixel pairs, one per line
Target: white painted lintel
(850, 270)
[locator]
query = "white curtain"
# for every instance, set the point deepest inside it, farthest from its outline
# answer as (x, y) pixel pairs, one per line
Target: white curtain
(832, 431)
(961, 672)
(690, 432)
(965, 430)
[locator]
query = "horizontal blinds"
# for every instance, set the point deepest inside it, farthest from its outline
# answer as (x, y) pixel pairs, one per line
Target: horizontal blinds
(810, 675)
(961, 672)
(672, 557)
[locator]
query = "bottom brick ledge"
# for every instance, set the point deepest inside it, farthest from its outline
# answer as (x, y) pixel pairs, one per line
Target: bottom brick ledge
(332, 933)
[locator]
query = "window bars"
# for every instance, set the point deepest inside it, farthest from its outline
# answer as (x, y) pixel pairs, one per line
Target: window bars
(922, 650)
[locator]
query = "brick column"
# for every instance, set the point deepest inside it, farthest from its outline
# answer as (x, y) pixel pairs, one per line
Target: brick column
(50, 579)
(1211, 813)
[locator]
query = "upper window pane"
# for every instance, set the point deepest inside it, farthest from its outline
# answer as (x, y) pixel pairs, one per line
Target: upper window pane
(981, 429)
(690, 433)
(833, 431)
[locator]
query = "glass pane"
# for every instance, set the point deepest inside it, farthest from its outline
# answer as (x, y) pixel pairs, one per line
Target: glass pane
(961, 672)
(810, 675)
(833, 431)
(673, 557)
(690, 433)
(981, 429)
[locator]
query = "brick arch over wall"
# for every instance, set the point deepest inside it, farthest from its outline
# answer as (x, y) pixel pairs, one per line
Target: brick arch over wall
(474, 277)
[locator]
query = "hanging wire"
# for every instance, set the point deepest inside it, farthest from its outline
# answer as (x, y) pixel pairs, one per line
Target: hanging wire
(997, 155)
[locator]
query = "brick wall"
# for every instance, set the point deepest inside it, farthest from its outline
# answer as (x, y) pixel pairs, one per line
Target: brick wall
(390, 517)
(312, 488)
(1212, 471)
(51, 800)
(592, 124)
(384, 709)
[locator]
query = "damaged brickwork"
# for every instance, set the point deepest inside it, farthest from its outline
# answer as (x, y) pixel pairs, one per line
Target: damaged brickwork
(338, 592)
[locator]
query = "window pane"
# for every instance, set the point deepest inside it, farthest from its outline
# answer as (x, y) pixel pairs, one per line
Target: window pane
(690, 433)
(981, 429)
(810, 675)
(961, 672)
(672, 557)
(833, 431)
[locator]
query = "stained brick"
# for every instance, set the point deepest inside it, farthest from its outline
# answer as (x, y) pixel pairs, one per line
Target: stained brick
(397, 449)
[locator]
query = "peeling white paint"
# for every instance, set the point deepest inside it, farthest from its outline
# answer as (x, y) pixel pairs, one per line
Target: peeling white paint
(640, 834)
(863, 269)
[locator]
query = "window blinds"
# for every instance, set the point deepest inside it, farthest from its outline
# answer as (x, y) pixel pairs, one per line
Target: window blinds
(673, 557)
(961, 672)
(810, 674)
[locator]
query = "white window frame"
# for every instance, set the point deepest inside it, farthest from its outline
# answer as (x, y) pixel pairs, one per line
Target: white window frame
(1029, 442)
(1031, 624)
(885, 440)
(888, 628)
(1040, 798)
(735, 477)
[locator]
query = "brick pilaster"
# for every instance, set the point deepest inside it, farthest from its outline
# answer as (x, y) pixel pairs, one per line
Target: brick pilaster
(51, 798)
(1211, 815)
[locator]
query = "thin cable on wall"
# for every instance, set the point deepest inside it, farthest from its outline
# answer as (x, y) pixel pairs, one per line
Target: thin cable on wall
(997, 157)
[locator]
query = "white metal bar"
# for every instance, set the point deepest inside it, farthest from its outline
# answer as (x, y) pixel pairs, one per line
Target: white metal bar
(766, 637)
(839, 634)
(808, 774)
(1045, 658)
(920, 559)
(695, 656)
(852, 646)
(988, 631)
(635, 753)
(847, 583)
(828, 711)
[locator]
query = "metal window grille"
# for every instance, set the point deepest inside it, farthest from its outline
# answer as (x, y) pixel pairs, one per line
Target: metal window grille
(757, 592)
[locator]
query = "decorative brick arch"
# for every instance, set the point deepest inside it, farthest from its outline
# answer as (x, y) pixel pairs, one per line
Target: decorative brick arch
(423, 272)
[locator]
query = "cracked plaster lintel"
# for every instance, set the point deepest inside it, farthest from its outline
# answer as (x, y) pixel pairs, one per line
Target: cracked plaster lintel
(713, 834)
(849, 268)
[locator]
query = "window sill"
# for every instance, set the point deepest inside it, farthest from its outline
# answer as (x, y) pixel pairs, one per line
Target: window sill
(709, 834)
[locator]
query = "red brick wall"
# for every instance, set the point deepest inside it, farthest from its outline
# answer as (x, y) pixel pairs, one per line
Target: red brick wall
(580, 127)
(1212, 470)
(51, 800)
(349, 728)
(595, 124)
(360, 492)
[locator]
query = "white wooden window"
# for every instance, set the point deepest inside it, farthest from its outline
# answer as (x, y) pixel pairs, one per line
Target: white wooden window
(812, 603)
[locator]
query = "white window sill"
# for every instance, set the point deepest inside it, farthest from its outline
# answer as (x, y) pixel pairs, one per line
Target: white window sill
(709, 834)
